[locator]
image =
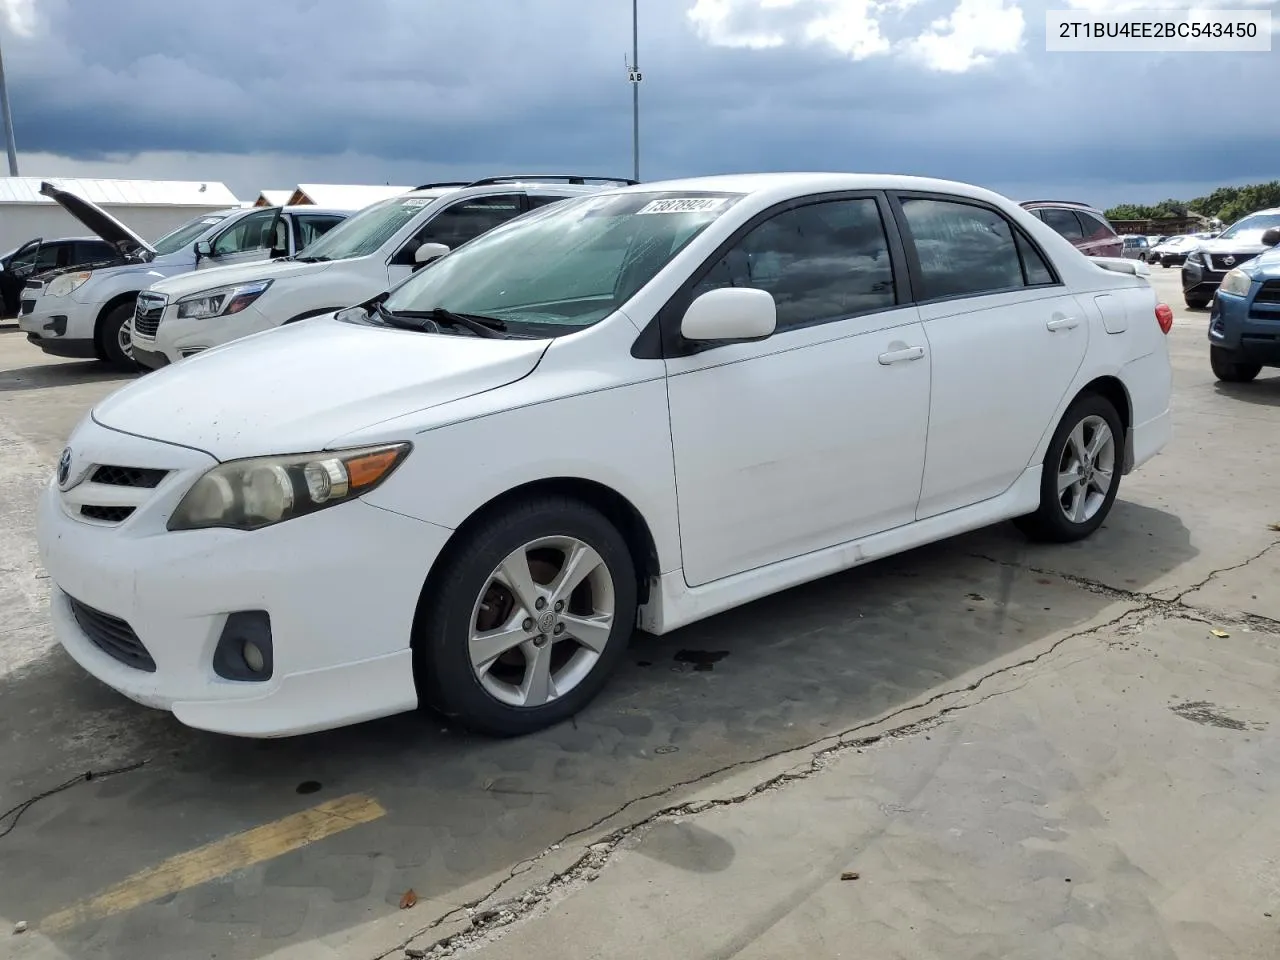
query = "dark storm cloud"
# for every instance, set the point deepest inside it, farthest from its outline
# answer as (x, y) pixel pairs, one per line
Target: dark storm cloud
(517, 84)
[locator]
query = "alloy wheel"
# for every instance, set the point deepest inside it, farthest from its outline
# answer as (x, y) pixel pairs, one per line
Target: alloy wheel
(541, 622)
(1087, 469)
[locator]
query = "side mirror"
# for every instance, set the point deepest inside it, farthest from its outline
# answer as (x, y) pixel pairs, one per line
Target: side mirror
(204, 248)
(730, 313)
(1271, 237)
(428, 252)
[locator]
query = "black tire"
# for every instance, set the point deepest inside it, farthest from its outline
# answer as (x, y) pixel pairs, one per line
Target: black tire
(108, 339)
(445, 679)
(1228, 368)
(1196, 303)
(1050, 523)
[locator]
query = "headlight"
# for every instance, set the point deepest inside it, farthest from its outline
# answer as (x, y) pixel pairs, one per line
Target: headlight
(221, 302)
(1196, 258)
(63, 285)
(248, 494)
(1237, 282)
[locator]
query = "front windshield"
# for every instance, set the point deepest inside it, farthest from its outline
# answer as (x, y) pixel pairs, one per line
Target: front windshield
(570, 264)
(368, 230)
(187, 234)
(1254, 222)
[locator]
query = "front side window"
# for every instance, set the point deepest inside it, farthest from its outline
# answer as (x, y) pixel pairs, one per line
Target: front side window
(822, 261)
(254, 232)
(187, 234)
(567, 265)
(1254, 223)
(964, 250)
(307, 228)
(463, 221)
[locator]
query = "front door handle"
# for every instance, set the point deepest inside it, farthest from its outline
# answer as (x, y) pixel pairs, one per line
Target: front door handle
(901, 355)
(1059, 322)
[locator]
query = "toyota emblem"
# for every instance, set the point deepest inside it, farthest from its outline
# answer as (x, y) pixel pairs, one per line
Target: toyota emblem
(1229, 261)
(64, 468)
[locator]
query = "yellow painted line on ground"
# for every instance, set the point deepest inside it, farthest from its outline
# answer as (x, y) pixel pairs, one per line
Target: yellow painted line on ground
(219, 858)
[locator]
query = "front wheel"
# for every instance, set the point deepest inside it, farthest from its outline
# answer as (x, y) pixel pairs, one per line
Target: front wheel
(1081, 474)
(532, 614)
(1196, 303)
(1228, 368)
(115, 339)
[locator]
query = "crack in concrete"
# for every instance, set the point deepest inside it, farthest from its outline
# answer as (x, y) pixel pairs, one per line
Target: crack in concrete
(480, 921)
(483, 923)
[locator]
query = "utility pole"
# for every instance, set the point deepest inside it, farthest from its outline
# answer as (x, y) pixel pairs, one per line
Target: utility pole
(6, 117)
(633, 74)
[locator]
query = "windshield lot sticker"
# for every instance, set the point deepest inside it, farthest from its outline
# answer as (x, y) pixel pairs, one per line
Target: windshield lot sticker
(683, 205)
(416, 202)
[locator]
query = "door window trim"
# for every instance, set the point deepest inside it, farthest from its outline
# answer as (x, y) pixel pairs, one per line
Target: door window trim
(522, 207)
(1021, 236)
(661, 339)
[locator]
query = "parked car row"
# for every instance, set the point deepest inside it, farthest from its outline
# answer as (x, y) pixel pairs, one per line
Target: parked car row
(579, 418)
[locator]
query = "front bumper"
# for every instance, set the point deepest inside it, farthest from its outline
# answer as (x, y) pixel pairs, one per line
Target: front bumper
(1248, 330)
(340, 586)
(177, 339)
(1200, 281)
(151, 359)
(61, 327)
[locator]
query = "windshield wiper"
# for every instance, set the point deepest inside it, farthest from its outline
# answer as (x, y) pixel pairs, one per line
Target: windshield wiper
(481, 326)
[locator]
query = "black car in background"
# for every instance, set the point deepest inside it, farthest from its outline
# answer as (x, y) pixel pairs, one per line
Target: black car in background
(36, 256)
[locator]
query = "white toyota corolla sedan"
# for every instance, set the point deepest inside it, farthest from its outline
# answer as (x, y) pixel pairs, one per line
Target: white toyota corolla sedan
(636, 408)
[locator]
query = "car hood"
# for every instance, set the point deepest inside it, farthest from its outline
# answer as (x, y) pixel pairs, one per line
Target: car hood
(1246, 241)
(99, 221)
(297, 388)
(198, 281)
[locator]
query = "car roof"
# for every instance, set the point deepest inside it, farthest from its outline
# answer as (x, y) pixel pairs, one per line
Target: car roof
(534, 187)
(783, 186)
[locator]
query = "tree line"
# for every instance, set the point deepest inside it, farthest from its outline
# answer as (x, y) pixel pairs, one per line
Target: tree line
(1228, 204)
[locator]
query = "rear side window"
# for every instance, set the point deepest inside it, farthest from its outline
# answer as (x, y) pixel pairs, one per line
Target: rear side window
(966, 250)
(1064, 222)
(308, 227)
(822, 261)
(1094, 228)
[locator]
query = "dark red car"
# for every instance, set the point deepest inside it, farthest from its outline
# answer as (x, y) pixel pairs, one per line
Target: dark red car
(1086, 227)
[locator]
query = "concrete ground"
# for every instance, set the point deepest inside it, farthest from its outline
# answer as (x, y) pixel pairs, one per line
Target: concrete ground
(1022, 751)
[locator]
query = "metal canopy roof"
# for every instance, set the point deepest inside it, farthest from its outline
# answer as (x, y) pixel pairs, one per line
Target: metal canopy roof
(140, 193)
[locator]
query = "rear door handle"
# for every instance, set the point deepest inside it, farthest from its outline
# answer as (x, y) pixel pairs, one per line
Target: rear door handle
(902, 355)
(1060, 322)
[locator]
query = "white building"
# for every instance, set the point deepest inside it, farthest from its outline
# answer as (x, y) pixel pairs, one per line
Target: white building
(151, 208)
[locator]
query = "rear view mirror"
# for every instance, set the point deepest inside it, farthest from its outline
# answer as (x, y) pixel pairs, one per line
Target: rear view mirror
(428, 252)
(1271, 237)
(730, 313)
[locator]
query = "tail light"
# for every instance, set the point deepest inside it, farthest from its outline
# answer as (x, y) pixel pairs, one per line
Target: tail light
(1164, 317)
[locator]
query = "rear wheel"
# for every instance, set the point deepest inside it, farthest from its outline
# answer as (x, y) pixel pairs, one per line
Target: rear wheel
(1081, 474)
(1229, 368)
(531, 616)
(115, 338)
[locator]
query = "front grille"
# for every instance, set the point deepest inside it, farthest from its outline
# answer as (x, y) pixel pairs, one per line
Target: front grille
(106, 514)
(147, 314)
(1217, 261)
(112, 636)
(1270, 292)
(128, 476)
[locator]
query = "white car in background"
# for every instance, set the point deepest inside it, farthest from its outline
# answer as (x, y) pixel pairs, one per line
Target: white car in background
(638, 407)
(85, 311)
(366, 256)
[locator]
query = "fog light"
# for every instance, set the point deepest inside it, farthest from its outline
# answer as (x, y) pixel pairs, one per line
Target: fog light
(253, 657)
(244, 649)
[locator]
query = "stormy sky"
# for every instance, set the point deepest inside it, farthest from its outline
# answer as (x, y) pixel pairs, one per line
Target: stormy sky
(270, 93)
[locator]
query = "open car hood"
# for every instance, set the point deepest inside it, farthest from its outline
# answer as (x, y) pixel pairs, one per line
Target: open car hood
(99, 221)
